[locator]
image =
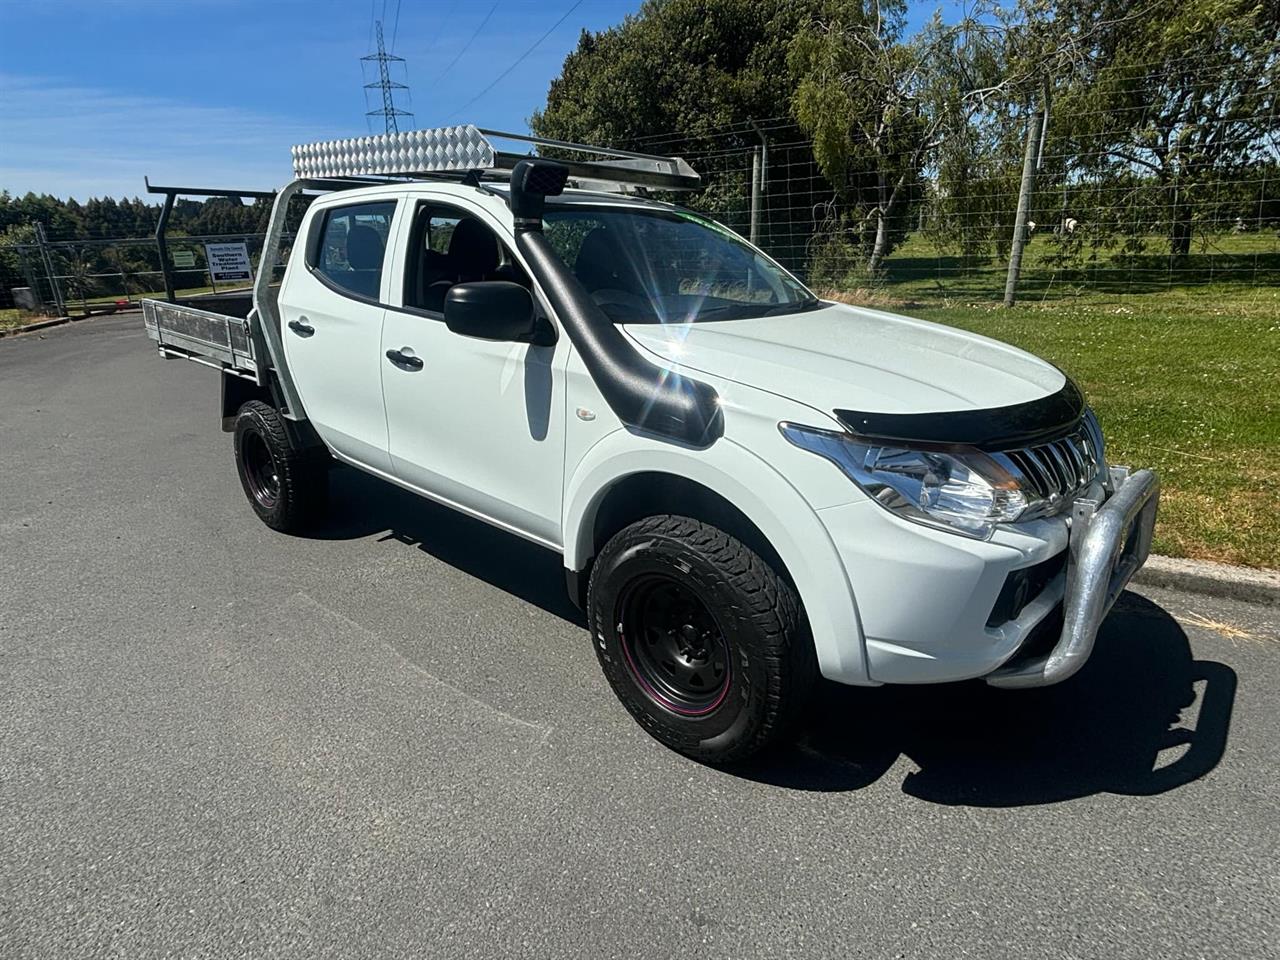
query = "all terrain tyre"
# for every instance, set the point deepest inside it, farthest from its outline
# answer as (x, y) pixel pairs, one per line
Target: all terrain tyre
(288, 488)
(702, 641)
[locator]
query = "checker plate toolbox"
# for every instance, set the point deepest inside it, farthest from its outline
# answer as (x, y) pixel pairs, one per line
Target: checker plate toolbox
(465, 150)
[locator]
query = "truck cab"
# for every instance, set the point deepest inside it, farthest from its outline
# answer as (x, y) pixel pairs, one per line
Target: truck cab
(750, 487)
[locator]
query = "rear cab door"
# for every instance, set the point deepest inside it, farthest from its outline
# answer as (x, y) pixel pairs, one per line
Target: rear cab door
(331, 312)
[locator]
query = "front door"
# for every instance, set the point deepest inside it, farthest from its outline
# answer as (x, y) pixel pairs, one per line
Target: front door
(476, 423)
(331, 314)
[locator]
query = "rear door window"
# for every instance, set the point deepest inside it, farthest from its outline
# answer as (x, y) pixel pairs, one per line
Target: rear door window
(352, 248)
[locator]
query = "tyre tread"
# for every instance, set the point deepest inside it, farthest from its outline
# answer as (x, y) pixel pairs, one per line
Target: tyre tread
(768, 602)
(303, 474)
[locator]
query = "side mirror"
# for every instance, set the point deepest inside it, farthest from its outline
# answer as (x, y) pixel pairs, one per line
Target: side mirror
(490, 310)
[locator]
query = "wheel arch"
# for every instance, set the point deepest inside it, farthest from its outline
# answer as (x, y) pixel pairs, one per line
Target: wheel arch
(648, 493)
(236, 392)
(620, 481)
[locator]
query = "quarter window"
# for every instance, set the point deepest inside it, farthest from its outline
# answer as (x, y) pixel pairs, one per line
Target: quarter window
(353, 246)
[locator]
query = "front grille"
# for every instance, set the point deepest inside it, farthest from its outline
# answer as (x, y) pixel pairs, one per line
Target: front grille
(1060, 470)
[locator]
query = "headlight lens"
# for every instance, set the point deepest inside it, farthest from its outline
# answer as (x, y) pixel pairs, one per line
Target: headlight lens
(955, 488)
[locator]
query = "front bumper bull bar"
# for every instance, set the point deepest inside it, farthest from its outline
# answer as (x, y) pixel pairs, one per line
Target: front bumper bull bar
(1109, 541)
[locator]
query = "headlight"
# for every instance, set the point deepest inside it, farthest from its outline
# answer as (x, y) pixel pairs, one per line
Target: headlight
(955, 488)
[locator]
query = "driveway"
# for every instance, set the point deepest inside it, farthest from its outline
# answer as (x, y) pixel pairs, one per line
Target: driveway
(391, 739)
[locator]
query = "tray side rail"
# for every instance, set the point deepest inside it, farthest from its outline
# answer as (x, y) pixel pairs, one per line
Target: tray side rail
(213, 339)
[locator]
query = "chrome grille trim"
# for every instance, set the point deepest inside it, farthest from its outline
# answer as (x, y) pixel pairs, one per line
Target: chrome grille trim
(1039, 474)
(1065, 480)
(1077, 461)
(1057, 472)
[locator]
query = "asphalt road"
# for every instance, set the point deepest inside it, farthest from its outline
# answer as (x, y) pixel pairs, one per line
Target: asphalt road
(392, 740)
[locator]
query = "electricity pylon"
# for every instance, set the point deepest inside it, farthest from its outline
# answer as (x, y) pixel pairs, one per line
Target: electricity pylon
(389, 112)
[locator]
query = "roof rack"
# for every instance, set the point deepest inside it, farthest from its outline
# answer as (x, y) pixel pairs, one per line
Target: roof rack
(467, 152)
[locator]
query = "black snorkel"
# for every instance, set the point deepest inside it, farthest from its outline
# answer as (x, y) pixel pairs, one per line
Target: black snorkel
(641, 394)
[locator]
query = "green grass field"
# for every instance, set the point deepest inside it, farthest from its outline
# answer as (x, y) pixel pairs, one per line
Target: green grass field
(918, 269)
(14, 318)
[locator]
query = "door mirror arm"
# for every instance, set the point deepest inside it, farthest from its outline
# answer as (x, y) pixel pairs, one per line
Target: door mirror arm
(544, 332)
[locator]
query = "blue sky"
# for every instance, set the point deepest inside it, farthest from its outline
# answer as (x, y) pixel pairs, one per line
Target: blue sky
(96, 93)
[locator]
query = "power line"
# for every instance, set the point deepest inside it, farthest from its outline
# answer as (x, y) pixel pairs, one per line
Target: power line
(436, 35)
(520, 59)
(467, 45)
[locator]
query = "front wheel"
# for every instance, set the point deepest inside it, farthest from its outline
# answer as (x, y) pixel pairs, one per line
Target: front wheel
(700, 638)
(287, 487)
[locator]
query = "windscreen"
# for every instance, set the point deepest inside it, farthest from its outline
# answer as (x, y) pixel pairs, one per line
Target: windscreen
(659, 266)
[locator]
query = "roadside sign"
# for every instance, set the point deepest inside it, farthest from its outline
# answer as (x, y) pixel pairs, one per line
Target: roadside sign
(184, 258)
(228, 261)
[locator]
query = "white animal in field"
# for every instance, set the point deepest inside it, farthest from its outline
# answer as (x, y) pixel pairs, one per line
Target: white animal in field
(1070, 224)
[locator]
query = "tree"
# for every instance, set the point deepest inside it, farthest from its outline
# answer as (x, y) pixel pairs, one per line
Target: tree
(879, 107)
(1175, 91)
(687, 78)
(79, 272)
(15, 267)
(684, 68)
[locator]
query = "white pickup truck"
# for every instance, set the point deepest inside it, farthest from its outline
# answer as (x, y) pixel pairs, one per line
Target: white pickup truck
(750, 486)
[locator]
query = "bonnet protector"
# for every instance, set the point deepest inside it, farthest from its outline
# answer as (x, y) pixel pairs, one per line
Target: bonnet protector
(991, 429)
(641, 394)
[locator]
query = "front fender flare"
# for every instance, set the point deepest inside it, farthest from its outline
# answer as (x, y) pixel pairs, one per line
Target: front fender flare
(768, 500)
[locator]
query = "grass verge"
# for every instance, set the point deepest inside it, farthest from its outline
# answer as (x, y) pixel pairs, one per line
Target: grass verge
(16, 318)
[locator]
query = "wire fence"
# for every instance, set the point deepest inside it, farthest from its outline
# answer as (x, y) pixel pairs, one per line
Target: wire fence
(1105, 217)
(1103, 220)
(85, 273)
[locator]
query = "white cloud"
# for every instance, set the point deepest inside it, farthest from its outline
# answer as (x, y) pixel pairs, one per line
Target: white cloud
(71, 140)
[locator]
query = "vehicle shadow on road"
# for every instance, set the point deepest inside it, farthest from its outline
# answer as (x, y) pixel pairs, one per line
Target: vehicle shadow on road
(1141, 718)
(365, 505)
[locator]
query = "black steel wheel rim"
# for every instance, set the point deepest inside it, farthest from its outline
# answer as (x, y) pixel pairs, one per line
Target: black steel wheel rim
(673, 645)
(260, 470)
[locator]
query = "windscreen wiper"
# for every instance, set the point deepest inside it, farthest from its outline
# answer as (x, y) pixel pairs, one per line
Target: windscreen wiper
(813, 303)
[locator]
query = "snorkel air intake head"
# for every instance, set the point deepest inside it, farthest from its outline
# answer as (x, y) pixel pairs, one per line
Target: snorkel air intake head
(532, 181)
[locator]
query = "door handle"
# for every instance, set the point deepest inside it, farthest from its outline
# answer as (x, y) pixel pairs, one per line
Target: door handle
(301, 327)
(404, 360)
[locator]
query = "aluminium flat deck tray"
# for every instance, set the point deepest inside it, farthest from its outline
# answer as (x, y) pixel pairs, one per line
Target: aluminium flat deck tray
(202, 335)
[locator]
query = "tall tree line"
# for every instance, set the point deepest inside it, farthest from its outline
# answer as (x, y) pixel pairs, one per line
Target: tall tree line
(1161, 114)
(108, 218)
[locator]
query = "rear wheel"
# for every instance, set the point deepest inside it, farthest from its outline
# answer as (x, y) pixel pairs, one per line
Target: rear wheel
(700, 638)
(287, 487)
